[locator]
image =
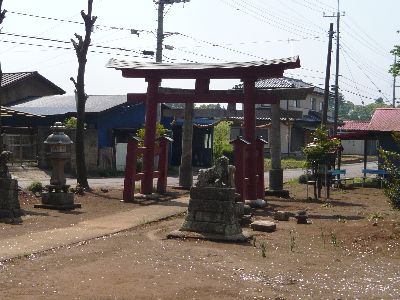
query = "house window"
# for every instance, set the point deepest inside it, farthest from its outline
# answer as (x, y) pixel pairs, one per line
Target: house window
(321, 106)
(296, 103)
(313, 104)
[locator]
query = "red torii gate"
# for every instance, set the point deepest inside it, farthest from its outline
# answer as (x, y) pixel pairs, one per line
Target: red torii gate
(247, 72)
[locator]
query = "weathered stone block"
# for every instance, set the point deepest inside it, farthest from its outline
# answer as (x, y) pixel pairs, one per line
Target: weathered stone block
(212, 206)
(59, 201)
(265, 226)
(9, 203)
(212, 193)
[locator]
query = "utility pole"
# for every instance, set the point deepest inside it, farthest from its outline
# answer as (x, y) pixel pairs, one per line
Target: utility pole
(2, 16)
(327, 76)
(160, 36)
(336, 111)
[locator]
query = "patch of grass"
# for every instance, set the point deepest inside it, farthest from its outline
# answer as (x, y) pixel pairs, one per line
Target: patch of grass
(334, 240)
(327, 205)
(323, 236)
(36, 187)
(292, 241)
(263, 247)
(375, 217)
(287, 163)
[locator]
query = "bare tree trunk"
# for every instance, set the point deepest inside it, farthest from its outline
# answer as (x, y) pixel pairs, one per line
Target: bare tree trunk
(81, 47)
(2, 16)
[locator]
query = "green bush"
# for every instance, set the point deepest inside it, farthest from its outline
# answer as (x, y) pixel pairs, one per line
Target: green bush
(228, 152)
(391, 163)
(35, 187)
(303, 178)
(70, 123)
(222, 139)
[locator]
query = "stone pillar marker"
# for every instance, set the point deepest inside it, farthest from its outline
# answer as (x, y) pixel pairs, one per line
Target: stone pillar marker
(276, 172)
(10, 210)
(58, 197)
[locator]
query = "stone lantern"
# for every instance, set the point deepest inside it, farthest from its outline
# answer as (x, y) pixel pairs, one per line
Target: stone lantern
(58, 196)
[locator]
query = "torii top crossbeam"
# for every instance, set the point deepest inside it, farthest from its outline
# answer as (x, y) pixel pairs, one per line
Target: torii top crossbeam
(247, 72)
(232, 70)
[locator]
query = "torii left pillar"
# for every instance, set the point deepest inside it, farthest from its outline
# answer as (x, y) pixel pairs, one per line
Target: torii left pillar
(150, 135)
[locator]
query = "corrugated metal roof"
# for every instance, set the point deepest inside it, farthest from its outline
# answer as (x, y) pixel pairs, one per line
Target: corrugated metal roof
(354, 126)
(385, 119)
(11, 78)
(57, 105)
(284, 82)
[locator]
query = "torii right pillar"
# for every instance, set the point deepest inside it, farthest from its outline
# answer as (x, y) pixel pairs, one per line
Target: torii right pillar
(249, 113)
(276, 172)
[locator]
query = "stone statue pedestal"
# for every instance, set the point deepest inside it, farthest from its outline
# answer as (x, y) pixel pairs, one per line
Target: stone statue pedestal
(10, 209)
(213, 214)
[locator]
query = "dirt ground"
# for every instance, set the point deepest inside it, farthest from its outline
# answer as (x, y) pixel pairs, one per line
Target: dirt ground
(340, 255)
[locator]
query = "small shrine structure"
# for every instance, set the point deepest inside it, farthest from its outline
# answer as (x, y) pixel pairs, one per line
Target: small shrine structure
(202, 73)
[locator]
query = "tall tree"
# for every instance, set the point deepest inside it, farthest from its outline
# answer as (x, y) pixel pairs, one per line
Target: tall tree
(81, 47)
(395, 68)
(2, 16)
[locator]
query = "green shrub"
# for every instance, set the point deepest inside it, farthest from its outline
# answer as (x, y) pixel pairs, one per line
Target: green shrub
(222, 139)
(303, 178)
(35, 187)
(391, 163)
(228, 152)
(70, 123)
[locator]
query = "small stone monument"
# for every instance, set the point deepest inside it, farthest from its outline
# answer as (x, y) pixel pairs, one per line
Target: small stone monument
(213, 212)
(58, 197)
(10, 210)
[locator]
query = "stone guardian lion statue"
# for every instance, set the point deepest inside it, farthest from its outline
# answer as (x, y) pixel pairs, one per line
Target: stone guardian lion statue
(220, 175)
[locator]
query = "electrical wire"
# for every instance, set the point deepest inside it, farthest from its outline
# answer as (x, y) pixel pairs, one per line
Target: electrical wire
(67, 42)
(366, 75)
(76, 22)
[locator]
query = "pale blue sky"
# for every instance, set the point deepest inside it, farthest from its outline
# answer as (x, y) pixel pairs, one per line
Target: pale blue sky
(210, 31)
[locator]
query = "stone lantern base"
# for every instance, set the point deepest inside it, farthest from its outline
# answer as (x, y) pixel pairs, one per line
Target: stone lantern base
(58, 200)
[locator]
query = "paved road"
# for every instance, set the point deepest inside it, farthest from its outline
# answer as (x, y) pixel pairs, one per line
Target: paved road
(26, 176)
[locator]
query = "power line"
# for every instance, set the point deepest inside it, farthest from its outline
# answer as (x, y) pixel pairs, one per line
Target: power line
(68, 42)
(68, 48)
(262, 18)
(296, 15)
(77, 22)
(217, 45)
(366, 75)
(280, 20)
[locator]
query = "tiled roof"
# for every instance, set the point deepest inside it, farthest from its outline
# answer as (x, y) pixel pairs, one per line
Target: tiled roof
(354, 126)
(7, 112)
(11, 78)
(57, 105)
(284, 82)
(385, 119)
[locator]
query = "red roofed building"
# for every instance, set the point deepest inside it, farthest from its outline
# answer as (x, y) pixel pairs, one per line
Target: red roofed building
(354, 126)
(385, 120)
